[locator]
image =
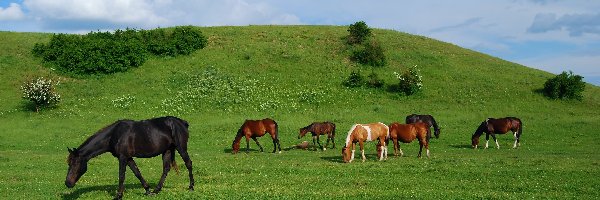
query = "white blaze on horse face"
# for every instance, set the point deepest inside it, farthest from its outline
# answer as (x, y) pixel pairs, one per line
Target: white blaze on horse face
(368, 133)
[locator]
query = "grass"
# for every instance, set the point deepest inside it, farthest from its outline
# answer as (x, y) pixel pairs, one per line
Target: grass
(293, 74)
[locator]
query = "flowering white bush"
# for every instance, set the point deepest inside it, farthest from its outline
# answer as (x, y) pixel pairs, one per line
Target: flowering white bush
(40, 92)
(410, 81)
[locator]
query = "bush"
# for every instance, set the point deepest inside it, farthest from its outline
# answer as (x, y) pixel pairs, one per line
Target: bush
(373, 81)
(369, 54)
(354, 80)
(40, 92)
(358, 33)
(565, 86)
(107, 53)
(409, 82)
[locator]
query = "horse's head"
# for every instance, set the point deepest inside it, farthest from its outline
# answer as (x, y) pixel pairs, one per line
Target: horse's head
(437, 133)
(77, 167)
(478, 132)
(235, 147)
(346, 154)
(303, 132)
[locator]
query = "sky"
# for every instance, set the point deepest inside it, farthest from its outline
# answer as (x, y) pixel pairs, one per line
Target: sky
(551, 35)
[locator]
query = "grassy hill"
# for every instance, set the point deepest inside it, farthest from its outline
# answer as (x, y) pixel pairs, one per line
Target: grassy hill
(293, 74)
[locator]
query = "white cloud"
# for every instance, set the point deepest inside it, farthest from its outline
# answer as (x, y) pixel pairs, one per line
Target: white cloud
(138, 12)
(12, 12)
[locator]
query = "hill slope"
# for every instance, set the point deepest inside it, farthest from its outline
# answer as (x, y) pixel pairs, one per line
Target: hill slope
(293, 74)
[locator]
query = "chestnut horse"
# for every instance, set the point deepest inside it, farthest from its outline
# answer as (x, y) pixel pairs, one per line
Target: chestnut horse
(493, 126)
(427, 119)
(320, 128)
(362, 133)
(256, 128)
(126, 139)
(406, 133)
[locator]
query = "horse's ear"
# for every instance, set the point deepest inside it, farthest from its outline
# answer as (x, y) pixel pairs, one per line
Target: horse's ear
(69, 149)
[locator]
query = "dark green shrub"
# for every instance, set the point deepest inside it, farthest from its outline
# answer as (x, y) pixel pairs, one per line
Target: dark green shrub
(371, 53)
(106, 53)
(358, 33)
(373, 81)
(565, 86)
(354, 80)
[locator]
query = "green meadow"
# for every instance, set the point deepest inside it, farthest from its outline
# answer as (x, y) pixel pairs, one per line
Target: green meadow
(294, 75)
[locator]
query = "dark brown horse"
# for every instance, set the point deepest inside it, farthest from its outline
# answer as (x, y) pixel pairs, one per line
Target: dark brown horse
(427, 119)
(406, 133)
(493, 126)
(320, 128)
(126, 139)
(256, 128)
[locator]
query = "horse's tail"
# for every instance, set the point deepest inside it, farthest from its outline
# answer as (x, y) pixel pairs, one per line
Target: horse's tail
(520, 130)
(436, 128)
(277, 136)
(180, 134)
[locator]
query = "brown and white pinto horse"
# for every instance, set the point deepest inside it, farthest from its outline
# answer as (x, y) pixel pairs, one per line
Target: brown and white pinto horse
(406, 133)
(493, 126)
(320, 128)
(362, 133)
(256, 128)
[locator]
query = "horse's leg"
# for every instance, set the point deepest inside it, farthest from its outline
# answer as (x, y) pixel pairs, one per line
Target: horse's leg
(247, 144)
(362, 150)
(487, 140)
(319, 142)
(515, 134)
(353, 146)
(427, 148)
(494, 137)
(422, 142)
(137, 174)
(332, 140)
(122, 168)
(182, 149)
(255, 140)
(314, 142)
(167, 158)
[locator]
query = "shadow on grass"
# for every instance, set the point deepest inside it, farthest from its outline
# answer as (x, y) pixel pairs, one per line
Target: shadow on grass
(357, 158)
(461, 146)
(109, 189)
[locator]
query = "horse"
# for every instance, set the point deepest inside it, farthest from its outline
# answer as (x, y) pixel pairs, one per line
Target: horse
(126, 139)
(320, 128)
(427, 119)
(256, 128)
(362, 133)
(493, 126)
(406, 133)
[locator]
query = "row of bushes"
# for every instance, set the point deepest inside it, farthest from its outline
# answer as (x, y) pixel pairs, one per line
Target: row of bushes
(409, 81)
(106, 52)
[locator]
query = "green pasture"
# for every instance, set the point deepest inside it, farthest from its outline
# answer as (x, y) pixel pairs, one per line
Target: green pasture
(293, 74)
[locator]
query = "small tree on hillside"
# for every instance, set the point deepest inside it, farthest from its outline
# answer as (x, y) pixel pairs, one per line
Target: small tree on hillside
(565, 86)
(359, 32)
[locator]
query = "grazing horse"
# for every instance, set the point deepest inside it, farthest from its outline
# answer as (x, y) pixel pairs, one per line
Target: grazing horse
(362, 133)
(126, 139)
(493, 126)
(427, 119)
(406, 133)
(256, 128)
(320, 128)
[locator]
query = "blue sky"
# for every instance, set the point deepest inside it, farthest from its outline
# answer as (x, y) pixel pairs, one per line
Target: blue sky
(551, 35)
